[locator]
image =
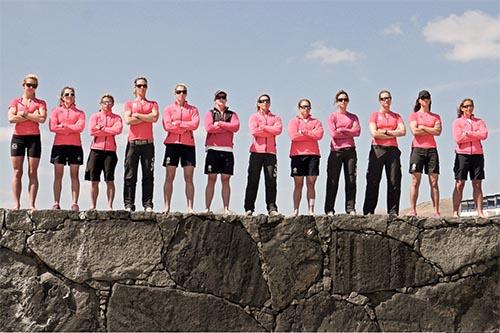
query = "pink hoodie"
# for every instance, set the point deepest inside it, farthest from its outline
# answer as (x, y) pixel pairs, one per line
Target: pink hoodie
(222, 135)
(143, 130)
(468, 133)
(305, 134)
(111, 124)
(186, 118)
(67, 124)
(341, 129)
(27, 127)
(264, 127)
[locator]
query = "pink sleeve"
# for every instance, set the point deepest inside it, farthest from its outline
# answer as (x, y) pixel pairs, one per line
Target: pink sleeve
(127, 106)
(253, 125)
(373, 119)
(293, 131)
(353, 132)
(116, 128)
(317, 132)
(209, 124)
(458, 132)
(13, 103)
(79, 126)
(481, 133)
(413, 117)
(276, 128)
(167, 121)
(54, 122)
(233, 126)
(193, 123)
(332, 128)
(400, 119)
(92, 123)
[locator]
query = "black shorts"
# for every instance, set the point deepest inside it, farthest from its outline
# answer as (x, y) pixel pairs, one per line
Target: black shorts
(99, 161)
(175, 152)
(218, 161)
(424, 159)
(22, 144)
(469, 164)
(65, 154)
(305, 165)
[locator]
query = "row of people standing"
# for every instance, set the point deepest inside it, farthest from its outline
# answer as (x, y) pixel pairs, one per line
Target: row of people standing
(180, 119)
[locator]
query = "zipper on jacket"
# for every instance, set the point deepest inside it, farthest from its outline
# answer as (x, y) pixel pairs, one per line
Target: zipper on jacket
(180, 141)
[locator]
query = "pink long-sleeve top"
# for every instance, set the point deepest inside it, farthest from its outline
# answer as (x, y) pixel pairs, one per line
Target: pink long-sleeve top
(428, 119)
(468, 133)
(264, 127)
(343, 127)
(142, 130)
(67, 123)
(305, 134)
(27, 127)
(180, 122)
(104, 126)
(388, 121)
(220, 137)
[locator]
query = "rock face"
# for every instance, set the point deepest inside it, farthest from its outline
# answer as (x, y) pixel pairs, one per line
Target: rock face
(116, 271)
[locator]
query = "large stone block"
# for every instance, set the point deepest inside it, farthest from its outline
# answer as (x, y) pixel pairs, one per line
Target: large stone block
(322, 313)
(146, 309)
(18, 220)
(370, 263)
(217, 258)
(33, 302)
(453, 248)
(108, 250)
(292, 256)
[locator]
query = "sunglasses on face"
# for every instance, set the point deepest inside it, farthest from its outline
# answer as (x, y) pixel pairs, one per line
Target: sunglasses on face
(69, 94)
(305, 107)
(223, 97)
(31, 85)
(385, 98)
(107, 102)
(178, 92)
(264, 101)
(343, 100)
(141, 85)
(467, 106)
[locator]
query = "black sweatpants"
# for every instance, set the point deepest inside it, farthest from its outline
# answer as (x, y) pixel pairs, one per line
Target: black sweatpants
(345, 157)
(146, 154)
(256, 163)
(390, 158)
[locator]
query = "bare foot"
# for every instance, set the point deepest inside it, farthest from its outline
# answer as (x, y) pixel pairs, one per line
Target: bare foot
(455, 214)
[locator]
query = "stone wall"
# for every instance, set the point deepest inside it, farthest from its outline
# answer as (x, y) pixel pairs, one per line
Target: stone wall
(116, 271)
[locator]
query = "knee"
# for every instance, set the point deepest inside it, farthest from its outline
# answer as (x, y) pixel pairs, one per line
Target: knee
(18, 173)
(211, 179)
(225, 180)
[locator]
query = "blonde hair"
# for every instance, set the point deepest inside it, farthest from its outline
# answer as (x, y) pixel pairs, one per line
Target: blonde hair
(181, 85)
(30, 76)
(61, 102)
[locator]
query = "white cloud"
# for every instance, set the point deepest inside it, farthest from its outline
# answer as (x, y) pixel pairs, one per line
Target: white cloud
(393, 30)
(473, 35)
(331, 56)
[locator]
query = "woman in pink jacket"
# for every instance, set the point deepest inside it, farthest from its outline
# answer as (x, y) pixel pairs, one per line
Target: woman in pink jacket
(468, 132)
(264, 127)
(180, 119)
(305, 132)
(67, 122)
(104, 126)
(26, 112)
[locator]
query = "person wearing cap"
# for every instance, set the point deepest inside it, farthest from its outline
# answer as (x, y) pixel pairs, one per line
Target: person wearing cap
(220, 125)
(264, 127)
(140, 113)
(67, 122)
(180, 119)
(468, 132)
(305, 132)
(424, 125)
(344, 127)
(385, 127)
(104, 126)
(27, 113)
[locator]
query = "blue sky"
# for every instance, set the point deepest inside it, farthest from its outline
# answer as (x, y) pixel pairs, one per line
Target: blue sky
(289, 49)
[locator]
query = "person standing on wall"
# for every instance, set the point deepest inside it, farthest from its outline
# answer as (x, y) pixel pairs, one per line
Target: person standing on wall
(264, 127)
(140, 114)
(468, 132)
(67, 122)
(424, 155)
(104, 126)
(220, 124)
(180, 119)
(344, 127)
(385, 127)
(305, 132)
(27, 113)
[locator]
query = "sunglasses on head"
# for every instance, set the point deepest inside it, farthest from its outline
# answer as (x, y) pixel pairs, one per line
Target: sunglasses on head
(141, 85)
(385, 98)
(343, 100)
(69, 94)
(31, 85)
(178, 92)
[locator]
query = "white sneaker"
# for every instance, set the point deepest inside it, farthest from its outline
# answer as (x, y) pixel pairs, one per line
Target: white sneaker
(148, 209)
(353, 212)
(249, 213)
(330, 213)
(274, 213)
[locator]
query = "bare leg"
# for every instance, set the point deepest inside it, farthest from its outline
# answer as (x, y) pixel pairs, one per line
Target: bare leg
(168, 187)
(433, 181)
(188, 179)
(209, 190)
(94, 193)
(297, 193)
(414, 187)
(226, 191)
(110, 191)
(457, 196)
(58, 175)
(477, 194)
(17, 164)
(311, 193)
(33, 180)
(75, 182)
